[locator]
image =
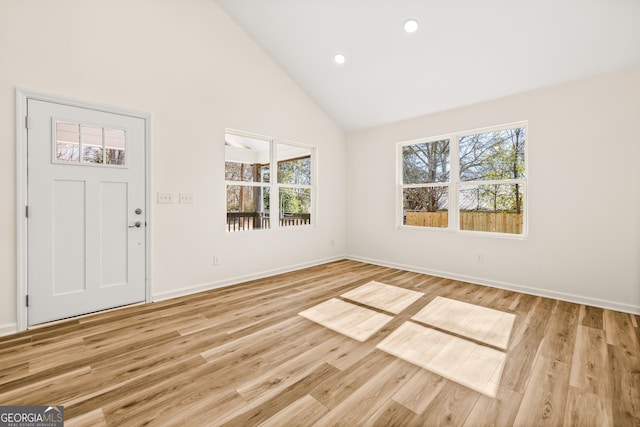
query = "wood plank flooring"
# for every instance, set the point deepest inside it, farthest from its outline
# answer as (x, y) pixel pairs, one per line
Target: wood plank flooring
(242, 356)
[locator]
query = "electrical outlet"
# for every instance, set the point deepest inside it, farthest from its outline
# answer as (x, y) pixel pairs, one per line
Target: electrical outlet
(480, 258)
(216, 260)
(186, 198)
(165, 198)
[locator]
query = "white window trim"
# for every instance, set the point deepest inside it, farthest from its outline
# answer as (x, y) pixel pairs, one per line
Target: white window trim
(455, 183)
(274, 186)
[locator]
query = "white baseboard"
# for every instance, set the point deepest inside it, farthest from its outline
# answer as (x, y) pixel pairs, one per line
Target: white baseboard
(578, 299)
(11, 328)
(8, 329)
(161, 296)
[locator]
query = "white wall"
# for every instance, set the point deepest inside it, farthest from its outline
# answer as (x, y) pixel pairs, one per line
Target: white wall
(583, 197)
(189, 65)
(196, 72)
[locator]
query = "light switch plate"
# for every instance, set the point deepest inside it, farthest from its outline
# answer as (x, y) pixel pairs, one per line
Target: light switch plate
(186, 198)
(165, 198)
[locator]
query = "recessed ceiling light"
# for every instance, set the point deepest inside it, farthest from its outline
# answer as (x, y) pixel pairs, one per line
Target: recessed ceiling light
(411, 25)
(339, 58)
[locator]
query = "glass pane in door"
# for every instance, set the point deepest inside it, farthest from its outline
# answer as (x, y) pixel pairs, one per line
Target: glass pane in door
(67, 142)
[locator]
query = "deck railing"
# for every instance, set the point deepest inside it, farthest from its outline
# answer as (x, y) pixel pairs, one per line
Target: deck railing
(238, 221)
(241, 221)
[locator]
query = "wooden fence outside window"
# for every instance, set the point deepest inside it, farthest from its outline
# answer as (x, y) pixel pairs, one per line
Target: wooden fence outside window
(497, 222)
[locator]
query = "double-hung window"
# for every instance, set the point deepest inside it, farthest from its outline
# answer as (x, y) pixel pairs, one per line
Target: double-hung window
(481, 173)
(426, 180)
(255, 196)
(294, 184)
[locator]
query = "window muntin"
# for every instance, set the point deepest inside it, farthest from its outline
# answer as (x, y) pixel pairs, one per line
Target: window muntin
(248, 162)
(83, 144)
(488, 183)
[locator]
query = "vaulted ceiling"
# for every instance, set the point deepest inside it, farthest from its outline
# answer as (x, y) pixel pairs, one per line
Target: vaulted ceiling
(464, 51)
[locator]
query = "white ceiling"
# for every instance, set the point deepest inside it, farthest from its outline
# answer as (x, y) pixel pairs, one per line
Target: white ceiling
(465, 51)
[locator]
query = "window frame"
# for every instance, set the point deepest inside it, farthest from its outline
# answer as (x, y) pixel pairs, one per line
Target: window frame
(455, 183)
(274, 185)
(403, 186)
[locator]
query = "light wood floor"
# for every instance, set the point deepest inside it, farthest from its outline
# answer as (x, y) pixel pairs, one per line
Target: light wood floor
(242, 356)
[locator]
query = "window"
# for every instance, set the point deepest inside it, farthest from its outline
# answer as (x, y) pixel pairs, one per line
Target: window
(426, 178)
(492, 181)
(251, 188)
(88, 145)
(294, 184)
(481, 172)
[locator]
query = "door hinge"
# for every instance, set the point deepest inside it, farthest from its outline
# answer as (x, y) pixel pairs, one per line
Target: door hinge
(27, 301)
(27, 122)
(26, 211)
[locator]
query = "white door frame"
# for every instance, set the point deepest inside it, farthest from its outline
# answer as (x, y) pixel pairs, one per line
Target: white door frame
(22, 95)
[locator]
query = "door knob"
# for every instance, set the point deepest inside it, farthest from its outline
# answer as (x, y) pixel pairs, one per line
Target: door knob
(137, 224)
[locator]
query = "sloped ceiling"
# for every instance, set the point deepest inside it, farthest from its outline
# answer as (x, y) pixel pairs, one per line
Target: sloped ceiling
(464, 52)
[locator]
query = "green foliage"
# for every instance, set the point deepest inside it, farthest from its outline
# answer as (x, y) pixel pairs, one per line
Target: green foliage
(295, 200)
(295, 171)
(495, 156)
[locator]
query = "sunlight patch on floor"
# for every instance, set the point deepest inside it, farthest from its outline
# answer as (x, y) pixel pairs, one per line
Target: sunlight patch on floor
(443, 346)
(348, 319)
(471, 365)
(391, 299)
(481, 324)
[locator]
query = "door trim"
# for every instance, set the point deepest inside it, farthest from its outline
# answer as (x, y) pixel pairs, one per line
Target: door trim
(22, 96)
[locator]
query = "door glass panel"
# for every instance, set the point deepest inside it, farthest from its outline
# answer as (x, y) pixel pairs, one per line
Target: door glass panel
(89, 145)
(114, 143)
(67, 142)
(92, 151)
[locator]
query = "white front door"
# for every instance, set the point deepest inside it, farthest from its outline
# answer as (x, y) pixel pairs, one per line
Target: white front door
(86, 211)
